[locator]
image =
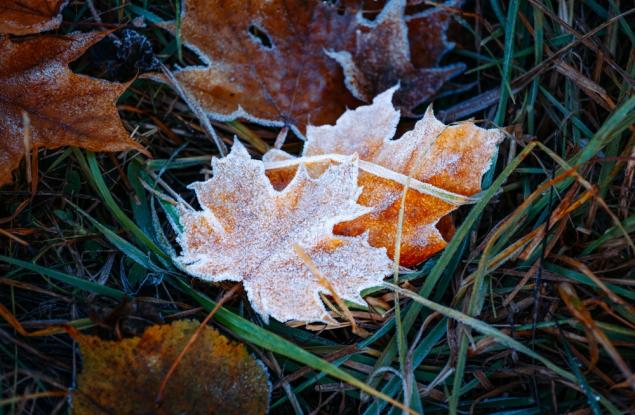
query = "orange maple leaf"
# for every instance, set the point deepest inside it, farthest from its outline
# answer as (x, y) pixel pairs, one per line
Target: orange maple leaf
(63, 108)
(23, 17)
(247, 232)
(445, 164)
(123, 377)
(281, 62)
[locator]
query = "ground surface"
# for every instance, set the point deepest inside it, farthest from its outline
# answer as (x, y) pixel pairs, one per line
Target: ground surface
(547, 258)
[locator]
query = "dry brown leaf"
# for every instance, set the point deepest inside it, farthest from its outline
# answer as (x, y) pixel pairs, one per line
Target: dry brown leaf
(247, 230)
(427, 31)
(276, 62)
(63, 108)
(216, 376)
(23, 17)
(382, 56)
(446, 164)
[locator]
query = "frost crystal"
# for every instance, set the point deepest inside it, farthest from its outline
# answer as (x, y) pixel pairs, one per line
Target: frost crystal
(247, 230)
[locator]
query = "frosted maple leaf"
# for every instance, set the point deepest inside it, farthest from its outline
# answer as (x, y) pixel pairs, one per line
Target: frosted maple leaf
(246, 232)
(442, 165)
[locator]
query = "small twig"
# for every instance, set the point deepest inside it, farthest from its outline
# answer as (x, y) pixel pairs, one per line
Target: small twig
(327, 284)
(15, 238)
(31, 396)
(28, 144)
(167, 188)
(196, 109)
(157, 193)
(281, 138)
(286, 386)
(452, 198)
(191, 341)
(93, 11)
(17, 326)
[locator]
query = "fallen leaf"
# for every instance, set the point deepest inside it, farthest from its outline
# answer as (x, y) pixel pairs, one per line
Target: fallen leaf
(216, 376)
(427, 27)
(247, 232)
(64, 108)
(382, 56)
(23, 17)
(276, 62)
(446, 164)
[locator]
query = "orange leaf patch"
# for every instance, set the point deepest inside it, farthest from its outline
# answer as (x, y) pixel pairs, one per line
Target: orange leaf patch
(63, 108)
(247, 232)
(23, 17)
(283, 62)
(216, 376)
(445, 163)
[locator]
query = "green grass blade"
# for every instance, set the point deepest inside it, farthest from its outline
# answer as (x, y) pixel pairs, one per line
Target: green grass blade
(255, 334)
(499, 336)
(75, 282)
(112, 205)
(505, 88)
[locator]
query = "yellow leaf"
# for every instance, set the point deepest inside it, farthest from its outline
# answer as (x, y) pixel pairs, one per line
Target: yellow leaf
(216, 376)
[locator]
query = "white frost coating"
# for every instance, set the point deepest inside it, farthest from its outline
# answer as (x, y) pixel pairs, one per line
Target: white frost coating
(366, 128)
(350, 71)
(261, 225)
(368, 131)
(445, 162)
(399, 52)
(53, 23)
(274, 160)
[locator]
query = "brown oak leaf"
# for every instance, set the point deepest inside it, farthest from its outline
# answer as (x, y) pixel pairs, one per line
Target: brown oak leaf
(276, 62)
(23, 17)
(247, 232)
(63, 108)
(216, 376)
(445, 164)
